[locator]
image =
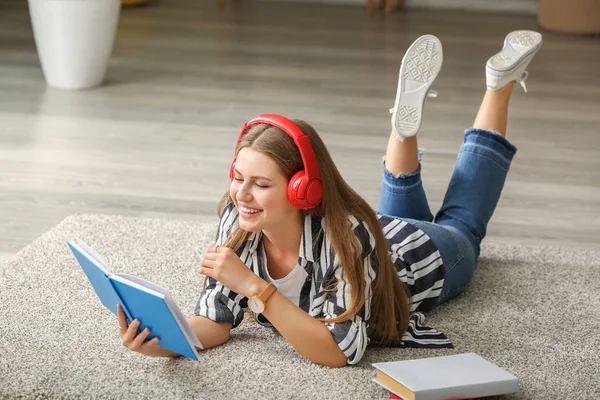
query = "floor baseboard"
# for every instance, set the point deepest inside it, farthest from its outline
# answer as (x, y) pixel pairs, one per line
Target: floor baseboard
(510, 6)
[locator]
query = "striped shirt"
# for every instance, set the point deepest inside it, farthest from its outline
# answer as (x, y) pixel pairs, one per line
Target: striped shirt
(414, 254)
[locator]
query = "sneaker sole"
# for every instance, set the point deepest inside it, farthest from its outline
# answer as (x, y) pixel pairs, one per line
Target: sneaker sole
(420, 66)
(518, 45)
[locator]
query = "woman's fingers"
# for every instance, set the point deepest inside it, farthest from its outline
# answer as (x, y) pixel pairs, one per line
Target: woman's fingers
(138, 343)
(214, 250)
(208, 266)
(150, 344)
(131, 333)
(210, 256)
(121, 319)
(140, 339)
(208, 263)
(207, 272)
(121, 315)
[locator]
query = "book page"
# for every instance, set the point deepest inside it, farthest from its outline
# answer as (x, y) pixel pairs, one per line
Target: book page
(138, 283)
(92, 254)
(185, 327)
(181, 320)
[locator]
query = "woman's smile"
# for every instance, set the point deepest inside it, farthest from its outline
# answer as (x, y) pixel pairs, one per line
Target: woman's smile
(247, 212)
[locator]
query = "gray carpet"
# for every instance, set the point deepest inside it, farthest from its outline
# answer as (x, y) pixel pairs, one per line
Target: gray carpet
(532, 311)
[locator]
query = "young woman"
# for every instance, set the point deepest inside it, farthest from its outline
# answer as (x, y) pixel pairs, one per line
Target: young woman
(309, 257)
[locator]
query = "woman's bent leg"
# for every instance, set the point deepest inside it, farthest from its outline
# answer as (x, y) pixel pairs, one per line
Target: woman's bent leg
(481, 167)
(476, 184)
(480, 170)
(402, 194)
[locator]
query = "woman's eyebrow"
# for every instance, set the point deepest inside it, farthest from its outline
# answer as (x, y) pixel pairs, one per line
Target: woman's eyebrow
(254, 177)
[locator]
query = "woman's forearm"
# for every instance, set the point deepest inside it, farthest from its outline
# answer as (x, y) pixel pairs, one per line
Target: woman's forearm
(209, 333)
(309, 336)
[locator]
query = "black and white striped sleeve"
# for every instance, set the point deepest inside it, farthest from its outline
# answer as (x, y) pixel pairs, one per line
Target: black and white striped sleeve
(220, 304)
(217, 302)
(422, 268)
(229, 217)
(417, 260)
(351, 335)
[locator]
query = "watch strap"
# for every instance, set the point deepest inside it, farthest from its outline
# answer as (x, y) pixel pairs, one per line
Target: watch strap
(267, 293)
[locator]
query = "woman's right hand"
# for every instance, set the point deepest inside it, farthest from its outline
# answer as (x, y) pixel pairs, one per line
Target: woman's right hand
(135, 342)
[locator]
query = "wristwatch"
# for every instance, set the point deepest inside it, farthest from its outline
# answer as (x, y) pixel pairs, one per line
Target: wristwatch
(257, 304)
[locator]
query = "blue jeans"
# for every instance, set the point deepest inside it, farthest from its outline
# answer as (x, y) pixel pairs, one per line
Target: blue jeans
(472, 196)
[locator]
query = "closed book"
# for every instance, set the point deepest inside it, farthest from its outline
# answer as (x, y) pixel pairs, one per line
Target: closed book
(151, 304)
(459, 376)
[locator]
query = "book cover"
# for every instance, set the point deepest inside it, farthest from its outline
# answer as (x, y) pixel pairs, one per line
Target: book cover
(459, 376)
(140, 299)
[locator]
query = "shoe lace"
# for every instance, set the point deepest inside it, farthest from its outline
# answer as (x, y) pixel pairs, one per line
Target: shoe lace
(522, 80)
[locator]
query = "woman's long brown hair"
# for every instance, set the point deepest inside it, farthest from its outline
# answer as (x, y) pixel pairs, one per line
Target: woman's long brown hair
(389, 301)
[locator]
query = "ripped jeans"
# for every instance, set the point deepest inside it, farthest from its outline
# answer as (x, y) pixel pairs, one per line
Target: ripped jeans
(472, 195)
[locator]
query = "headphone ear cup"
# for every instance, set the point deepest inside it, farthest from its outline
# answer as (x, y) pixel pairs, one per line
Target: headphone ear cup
(314, 192)
(232, 170)
(294, 186)
(303, 194)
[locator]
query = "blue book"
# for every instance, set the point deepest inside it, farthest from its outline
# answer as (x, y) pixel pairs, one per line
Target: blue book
(151, 304)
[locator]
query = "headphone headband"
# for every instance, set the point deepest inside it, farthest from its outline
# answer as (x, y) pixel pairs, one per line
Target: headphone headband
(300, 139)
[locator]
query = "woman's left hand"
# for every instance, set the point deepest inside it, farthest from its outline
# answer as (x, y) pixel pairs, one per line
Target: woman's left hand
(222, 264)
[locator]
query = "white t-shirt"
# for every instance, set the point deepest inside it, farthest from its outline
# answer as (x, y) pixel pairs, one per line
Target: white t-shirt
(291, 284)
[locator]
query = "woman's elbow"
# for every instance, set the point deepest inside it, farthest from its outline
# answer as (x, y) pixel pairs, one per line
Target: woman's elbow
(339, 363)
(332, 363)
(336, 359)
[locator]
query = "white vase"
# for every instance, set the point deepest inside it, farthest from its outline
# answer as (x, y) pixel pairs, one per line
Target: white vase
(74, 40)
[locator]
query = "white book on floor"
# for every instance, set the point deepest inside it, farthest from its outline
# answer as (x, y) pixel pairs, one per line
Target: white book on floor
(460, 376)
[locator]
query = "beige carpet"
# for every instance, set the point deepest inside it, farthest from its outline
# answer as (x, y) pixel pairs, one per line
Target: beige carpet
(532, 311)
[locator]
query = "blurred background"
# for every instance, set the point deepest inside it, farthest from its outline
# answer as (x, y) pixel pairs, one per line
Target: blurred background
(155, 136)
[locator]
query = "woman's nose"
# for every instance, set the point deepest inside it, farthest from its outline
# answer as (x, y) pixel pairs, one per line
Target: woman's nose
(244, 193)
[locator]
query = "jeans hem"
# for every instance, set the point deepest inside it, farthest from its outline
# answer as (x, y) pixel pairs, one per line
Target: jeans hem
(489, 143)
(403, 182)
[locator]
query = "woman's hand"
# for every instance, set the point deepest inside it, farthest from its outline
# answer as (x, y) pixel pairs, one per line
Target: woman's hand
(135, 342)
(222, 264)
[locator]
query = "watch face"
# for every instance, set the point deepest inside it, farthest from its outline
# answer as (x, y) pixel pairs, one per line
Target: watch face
(256, 305)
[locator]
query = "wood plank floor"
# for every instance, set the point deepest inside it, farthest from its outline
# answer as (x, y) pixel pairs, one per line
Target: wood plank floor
(157, 139)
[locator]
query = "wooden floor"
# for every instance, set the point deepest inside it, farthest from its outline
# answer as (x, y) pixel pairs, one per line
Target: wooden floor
(157, 139)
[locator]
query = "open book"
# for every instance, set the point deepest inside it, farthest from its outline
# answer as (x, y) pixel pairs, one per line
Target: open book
(151, 304)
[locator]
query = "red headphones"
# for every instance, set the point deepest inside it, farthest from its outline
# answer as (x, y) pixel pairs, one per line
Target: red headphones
(305, 189)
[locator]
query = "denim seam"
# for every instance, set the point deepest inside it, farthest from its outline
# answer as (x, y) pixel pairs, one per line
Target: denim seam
(495, 161)
(401, 189)
(502, 152)
(461, 254)
(451, 267)
(494, 139)
(401, 176)
(453, 292)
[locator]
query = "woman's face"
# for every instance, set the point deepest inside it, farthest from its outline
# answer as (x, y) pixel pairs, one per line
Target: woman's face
(259, 191)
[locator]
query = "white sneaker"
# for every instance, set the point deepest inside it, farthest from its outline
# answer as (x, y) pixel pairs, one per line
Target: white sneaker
(510, 63)
(420, 66)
